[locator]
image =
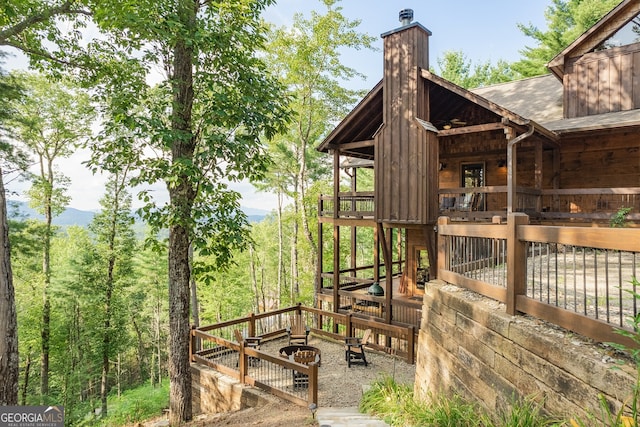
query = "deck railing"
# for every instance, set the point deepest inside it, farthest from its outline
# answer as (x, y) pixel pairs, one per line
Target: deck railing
(581, 278)
(351, 205)
(586, 204)
(214, 347)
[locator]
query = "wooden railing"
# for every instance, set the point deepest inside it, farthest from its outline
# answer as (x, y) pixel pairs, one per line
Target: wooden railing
(587, 204)
(583, 279)
(350, 205)
(214, 346)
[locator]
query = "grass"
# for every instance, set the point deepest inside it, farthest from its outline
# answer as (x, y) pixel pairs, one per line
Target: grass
(138, 404)
(395, 403)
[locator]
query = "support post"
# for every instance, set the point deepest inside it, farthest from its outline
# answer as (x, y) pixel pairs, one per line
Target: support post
(313, 384)
(517, 256)
(442, 246)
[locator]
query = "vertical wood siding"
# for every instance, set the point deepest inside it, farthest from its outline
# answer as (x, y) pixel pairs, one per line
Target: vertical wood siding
(406, 157)
(603, 82)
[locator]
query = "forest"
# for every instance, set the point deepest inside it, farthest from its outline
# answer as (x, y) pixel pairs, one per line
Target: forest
(93, 311)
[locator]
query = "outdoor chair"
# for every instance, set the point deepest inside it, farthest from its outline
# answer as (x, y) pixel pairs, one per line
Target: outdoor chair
(306, 357)
(251, 342)
(354, 349)
(297, 330)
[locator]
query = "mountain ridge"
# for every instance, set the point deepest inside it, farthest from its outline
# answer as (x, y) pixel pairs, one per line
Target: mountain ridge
(19, 210)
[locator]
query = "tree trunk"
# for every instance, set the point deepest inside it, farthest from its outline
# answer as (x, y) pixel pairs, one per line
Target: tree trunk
(140, 354)
(179, 329)
(195, 310)
(25, 385)
(48, 177)
(254, 280)
(280, 251)
(181, 196)
(8, 321)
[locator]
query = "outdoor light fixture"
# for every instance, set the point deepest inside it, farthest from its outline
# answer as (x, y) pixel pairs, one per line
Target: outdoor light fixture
(313, 408)
(375, 290)
(442, 166)
(502, 163)
(447, 126)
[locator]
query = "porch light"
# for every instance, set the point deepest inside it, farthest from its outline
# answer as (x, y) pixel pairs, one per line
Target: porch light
(502, 163)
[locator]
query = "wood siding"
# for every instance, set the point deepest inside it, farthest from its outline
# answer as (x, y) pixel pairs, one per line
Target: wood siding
(406, 155)
(603, 82)
(609, 160)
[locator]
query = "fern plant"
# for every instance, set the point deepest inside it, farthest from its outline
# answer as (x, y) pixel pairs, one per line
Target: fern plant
(619, 219)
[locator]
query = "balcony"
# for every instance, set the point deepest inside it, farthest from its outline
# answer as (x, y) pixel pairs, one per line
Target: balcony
(483, 203)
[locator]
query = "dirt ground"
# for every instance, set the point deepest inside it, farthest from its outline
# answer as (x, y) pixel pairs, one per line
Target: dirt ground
(339, 386)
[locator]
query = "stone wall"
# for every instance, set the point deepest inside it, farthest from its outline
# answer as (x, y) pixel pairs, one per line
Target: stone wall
(214, 392)
(469, 346)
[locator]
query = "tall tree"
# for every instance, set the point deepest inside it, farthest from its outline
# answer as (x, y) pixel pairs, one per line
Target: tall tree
(204, 122)
(116, 241)
(8, 320)
(307, 57)
(30, 26)
(53, 120)
(566, 20)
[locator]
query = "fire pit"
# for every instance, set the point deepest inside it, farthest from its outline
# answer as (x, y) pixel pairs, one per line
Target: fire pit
(289, 350)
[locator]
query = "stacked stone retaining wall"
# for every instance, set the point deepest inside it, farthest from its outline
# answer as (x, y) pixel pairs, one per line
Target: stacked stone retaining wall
(470, 347)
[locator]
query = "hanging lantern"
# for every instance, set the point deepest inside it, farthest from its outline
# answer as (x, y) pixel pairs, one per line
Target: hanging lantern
(376, 290)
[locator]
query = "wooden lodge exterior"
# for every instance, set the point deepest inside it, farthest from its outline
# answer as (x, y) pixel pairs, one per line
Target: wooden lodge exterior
(563, 148)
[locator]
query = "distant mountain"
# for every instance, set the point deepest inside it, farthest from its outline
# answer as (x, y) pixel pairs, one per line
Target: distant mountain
(20, 210)
(71, 216)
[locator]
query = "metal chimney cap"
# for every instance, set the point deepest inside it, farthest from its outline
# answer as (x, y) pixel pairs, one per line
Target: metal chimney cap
(406, 16)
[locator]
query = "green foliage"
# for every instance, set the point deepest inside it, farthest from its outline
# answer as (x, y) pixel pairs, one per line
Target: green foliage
(619, 219)
(455, 67)
(134, 405)
(632, 404)
(396, 404)
(566, 20)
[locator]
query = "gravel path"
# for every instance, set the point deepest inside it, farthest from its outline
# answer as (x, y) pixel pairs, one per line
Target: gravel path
(341, 386)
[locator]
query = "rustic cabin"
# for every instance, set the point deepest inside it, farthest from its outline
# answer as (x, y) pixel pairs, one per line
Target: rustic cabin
(562, 148)
(477, 206)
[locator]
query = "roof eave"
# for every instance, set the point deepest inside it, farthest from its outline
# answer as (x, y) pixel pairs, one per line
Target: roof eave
(595, 35)
(327, 143)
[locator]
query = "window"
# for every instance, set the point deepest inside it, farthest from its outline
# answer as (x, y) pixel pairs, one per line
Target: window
(472, 176)
(626, 35)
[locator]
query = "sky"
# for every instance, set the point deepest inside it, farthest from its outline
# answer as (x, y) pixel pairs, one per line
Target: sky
(484, 30)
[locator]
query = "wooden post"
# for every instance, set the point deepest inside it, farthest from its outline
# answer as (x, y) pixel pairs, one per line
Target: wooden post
(313, 383)
(336, 267)
(517, 256)
(192, 343)
(252, 325)
(320, 256)
(538, 176)
(243, 363)
(376, 255)
(348, 327)
(442, 246)
(336, 230)
(411, 342)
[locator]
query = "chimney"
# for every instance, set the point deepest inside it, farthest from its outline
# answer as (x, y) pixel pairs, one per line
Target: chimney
(406, 157)
(406, 51)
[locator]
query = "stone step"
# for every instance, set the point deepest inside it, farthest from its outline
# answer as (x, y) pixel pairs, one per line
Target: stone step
(346, 417)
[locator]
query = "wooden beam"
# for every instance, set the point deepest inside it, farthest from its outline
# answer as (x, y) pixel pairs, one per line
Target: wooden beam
(357, 144)
(471, 129)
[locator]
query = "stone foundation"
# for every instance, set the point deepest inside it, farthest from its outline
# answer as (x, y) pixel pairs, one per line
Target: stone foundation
(469, 346)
